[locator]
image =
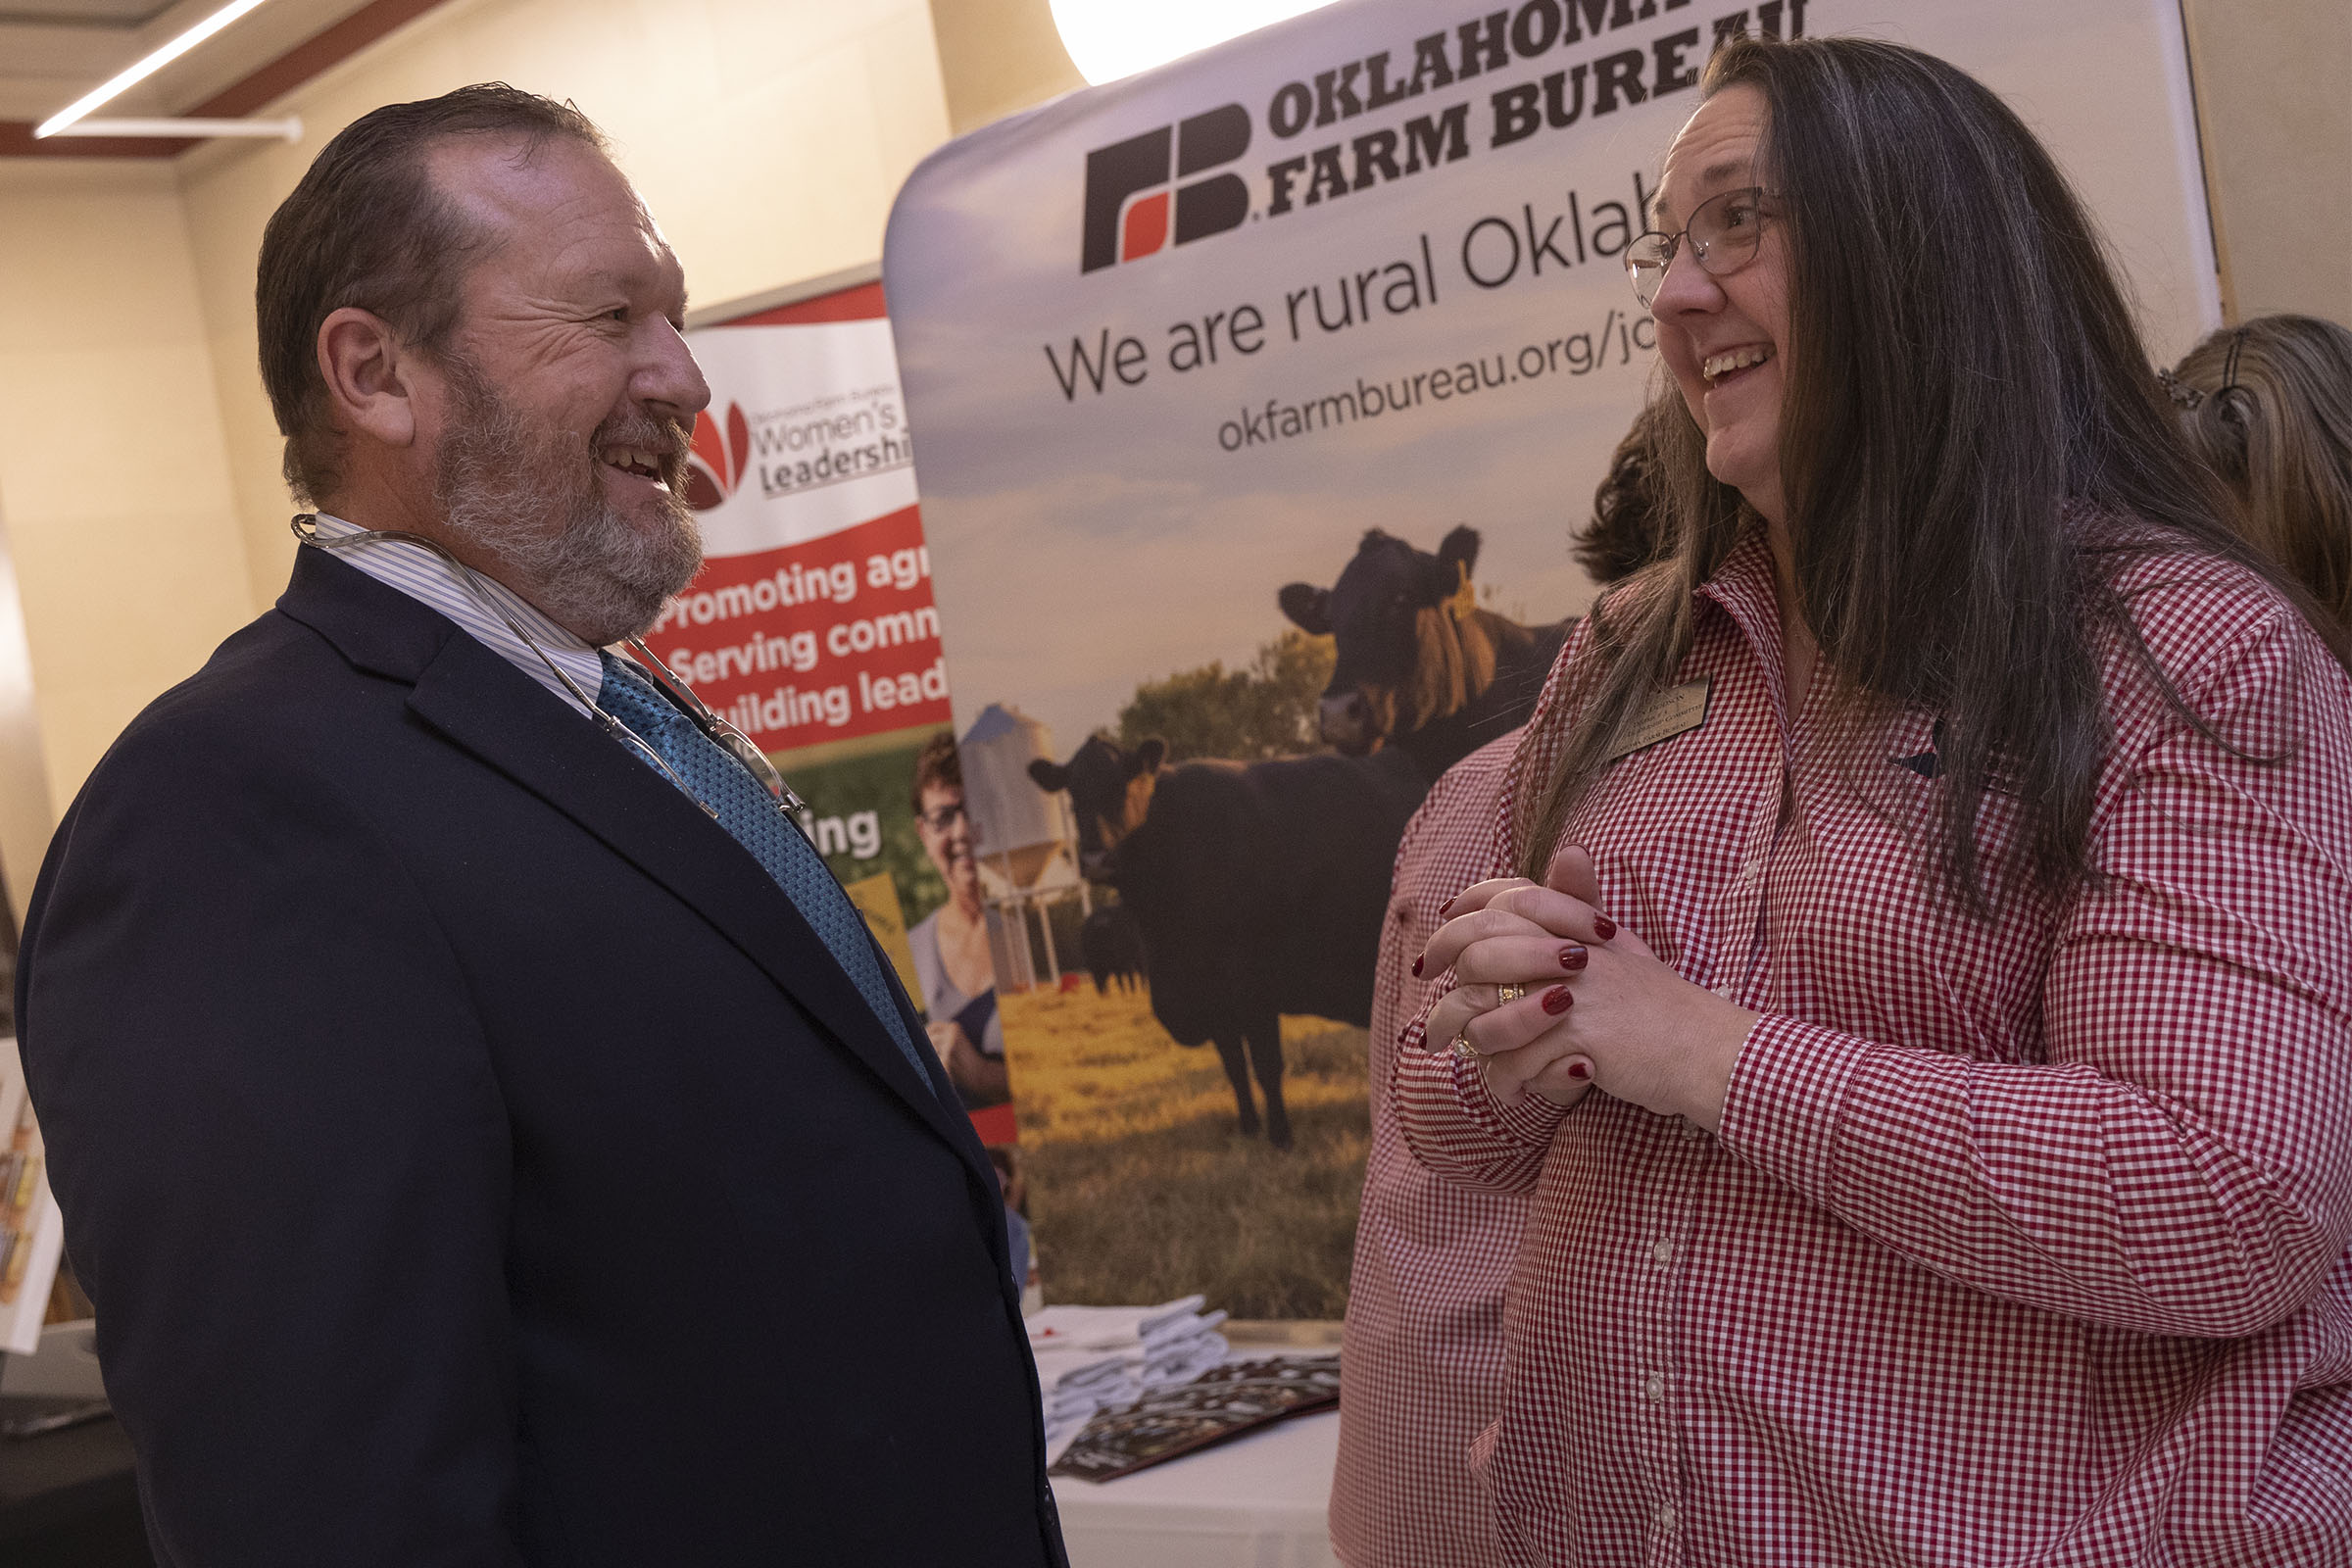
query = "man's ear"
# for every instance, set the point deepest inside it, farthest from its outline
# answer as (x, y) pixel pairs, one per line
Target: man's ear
(370, 376)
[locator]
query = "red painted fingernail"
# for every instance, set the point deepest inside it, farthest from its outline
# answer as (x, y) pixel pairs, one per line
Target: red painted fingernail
(1558, 1000)
(1445, 910)
(1603, 927)
(1416, 968)
(1573, 956)
(1578, 1071)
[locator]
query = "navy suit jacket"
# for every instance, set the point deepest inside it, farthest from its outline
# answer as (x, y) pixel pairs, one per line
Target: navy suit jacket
(474, 1157)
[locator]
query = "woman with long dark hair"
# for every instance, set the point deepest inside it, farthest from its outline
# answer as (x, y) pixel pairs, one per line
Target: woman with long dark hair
(2267, 406)
(1940, 868)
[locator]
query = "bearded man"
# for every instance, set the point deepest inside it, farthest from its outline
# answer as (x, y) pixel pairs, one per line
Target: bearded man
(488, 1134)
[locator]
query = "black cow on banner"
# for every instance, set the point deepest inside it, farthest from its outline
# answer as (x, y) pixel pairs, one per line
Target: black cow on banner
(1113, 949)
(1259, 887)
(1420, 666)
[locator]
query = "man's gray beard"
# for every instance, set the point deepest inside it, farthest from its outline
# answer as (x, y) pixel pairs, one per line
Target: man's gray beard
(532, 507)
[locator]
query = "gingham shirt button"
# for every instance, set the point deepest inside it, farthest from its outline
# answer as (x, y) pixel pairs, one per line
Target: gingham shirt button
(1663, 1248)
(1654, 1386)
(1666, 1516)
(1724, 990)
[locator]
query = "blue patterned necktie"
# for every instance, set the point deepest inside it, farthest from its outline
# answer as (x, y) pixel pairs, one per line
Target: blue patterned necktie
(750, 813)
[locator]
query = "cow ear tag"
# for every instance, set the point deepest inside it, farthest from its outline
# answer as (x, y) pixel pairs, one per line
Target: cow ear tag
(1669, 714)
(1465, 596)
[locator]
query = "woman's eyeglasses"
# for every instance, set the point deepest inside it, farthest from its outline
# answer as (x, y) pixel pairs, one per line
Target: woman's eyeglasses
(946, 817)
(1723, 231)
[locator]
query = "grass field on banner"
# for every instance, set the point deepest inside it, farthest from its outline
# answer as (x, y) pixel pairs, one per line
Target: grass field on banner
(1140, 1188)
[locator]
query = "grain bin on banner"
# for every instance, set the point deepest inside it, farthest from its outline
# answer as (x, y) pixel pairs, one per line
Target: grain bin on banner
(1024, 840)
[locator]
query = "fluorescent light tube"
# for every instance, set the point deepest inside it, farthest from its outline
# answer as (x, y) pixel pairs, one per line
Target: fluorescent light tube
(286, 129)
(145, 68)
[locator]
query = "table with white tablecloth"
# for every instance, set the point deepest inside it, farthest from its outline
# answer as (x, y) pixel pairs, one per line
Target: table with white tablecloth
(1256, 1501)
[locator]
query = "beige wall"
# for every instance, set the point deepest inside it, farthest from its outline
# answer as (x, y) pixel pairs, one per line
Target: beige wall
(999, 56)
(768, 136)
(114, 478)
(2277, 124)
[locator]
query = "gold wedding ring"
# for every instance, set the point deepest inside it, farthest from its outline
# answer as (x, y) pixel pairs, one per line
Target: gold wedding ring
(1506, 995)
(1465, 1048)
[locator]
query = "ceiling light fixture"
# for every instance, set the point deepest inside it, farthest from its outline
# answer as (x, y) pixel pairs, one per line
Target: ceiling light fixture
(286, 129)
(1112, 38)
(148, 67)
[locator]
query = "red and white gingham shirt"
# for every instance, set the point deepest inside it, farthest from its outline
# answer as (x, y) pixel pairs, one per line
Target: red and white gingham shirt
(1421, 1370)
(2020, 1241)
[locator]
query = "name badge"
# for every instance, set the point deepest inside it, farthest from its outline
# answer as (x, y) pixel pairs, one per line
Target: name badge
(1670, 712)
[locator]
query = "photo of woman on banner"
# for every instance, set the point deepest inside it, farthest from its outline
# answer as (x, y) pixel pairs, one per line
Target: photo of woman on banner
(952, 943)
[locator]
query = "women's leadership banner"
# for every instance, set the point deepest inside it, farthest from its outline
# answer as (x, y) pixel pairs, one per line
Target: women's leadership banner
(811, 629)
(1257, 397)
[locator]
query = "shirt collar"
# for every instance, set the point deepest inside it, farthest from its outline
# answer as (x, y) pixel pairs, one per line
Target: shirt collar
(1746, 588)
(1745, 585)
(476, 603)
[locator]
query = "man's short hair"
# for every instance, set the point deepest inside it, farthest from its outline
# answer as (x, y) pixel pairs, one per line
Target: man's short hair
(367, 228)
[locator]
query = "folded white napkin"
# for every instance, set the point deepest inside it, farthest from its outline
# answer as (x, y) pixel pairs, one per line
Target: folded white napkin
(1094, 1358)
(1107, 1328)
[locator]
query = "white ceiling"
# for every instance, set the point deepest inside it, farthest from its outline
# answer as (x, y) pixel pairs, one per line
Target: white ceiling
(53, 50)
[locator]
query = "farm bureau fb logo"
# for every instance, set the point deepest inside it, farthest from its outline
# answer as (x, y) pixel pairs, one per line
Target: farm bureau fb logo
(715, 458)
(1128, 200)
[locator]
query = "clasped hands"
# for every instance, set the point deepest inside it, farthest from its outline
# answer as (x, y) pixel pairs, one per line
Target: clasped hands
(1598, 1008)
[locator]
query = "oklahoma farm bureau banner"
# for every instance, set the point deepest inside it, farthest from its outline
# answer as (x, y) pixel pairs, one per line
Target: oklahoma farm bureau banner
(1175, 343)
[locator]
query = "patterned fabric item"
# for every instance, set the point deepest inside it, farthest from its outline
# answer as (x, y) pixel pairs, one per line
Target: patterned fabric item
(2021, 1241)
(1422, 1364)
(750, 813)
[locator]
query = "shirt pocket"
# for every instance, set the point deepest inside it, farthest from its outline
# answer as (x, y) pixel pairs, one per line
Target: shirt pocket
(1912, 965)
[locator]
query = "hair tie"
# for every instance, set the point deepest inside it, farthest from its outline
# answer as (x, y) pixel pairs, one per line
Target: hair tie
(2237, 343)
(2180, 391)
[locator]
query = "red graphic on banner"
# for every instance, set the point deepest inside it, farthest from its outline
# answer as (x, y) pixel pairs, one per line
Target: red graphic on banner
(814, 642)
(715, 458)
(1147, 228)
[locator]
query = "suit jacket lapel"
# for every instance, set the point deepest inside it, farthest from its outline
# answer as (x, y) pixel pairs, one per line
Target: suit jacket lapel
(472, 696)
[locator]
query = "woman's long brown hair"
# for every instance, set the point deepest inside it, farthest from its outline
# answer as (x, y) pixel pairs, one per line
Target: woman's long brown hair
(2275, 423)
(1973, 443)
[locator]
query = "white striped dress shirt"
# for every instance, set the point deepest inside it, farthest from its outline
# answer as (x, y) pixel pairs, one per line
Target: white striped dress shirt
(432, 581)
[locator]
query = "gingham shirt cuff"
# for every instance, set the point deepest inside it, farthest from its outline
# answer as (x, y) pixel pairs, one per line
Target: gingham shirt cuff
(1529, 1122)
(1786, 1097)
